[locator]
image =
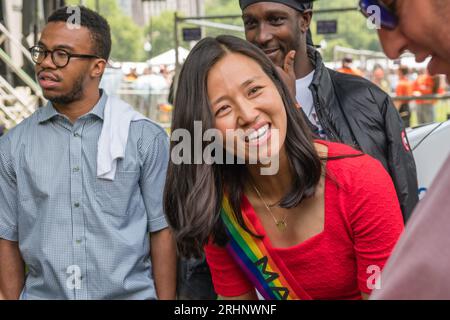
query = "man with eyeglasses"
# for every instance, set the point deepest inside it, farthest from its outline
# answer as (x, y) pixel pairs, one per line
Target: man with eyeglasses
(81, 236)
(418, 267)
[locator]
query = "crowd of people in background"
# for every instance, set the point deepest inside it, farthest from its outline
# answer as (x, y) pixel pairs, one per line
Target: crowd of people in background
(160, 75)
(400, 81)
(407, 82)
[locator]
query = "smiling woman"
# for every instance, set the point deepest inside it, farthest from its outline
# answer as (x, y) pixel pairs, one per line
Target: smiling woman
(316, 228)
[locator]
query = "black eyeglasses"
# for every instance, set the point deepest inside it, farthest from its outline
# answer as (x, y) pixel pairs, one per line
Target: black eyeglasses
(60, 57)
(388, 15)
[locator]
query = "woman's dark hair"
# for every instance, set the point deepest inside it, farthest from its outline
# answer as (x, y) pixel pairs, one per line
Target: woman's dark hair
(193, 192)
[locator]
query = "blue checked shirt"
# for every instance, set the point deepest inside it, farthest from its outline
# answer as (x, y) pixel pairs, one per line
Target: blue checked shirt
(82, 237)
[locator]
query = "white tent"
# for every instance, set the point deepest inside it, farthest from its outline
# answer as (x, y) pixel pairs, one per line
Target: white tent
(168, 58)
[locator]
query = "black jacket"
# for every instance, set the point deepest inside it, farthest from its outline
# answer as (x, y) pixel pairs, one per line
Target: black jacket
(356, 112)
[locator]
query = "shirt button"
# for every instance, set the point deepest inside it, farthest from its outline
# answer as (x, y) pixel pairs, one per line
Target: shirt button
(76, 135)
(79, 241)
(77, 204)
(76, 169)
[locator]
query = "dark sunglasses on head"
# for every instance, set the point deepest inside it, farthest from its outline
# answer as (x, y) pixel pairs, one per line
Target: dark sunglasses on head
(388, 16)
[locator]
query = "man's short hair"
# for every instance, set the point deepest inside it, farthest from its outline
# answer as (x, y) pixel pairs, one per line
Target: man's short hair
(95, 23)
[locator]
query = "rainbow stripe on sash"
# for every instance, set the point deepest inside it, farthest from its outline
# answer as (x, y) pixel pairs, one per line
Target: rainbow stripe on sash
(256, 262)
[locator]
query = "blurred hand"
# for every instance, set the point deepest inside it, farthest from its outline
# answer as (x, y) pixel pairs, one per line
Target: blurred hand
(287, 73)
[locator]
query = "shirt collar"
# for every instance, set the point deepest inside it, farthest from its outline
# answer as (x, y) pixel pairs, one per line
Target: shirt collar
(48, 112)
(99, 108)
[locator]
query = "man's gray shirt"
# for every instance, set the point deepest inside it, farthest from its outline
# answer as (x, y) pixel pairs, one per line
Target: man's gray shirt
(82, 237)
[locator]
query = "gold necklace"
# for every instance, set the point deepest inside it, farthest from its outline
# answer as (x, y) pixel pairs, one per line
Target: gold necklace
(281, 224)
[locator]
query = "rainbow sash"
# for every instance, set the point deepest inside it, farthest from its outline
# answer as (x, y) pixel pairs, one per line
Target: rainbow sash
(272, 279)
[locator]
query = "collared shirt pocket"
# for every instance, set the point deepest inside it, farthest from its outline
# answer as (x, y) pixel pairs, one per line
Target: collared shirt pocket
(114, 197)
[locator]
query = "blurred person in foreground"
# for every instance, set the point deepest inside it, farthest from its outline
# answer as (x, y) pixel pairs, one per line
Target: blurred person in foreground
(418, 267)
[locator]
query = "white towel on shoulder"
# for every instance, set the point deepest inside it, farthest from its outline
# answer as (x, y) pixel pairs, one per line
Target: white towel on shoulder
(112, 143)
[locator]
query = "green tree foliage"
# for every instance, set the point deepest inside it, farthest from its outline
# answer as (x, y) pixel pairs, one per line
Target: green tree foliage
(352, 28)
(223, 8)
(161, 32)
(161, 28)
(127, 37)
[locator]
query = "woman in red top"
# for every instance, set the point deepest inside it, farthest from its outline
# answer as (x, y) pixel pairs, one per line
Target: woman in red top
(329, 215)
